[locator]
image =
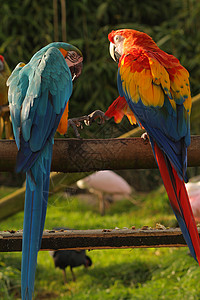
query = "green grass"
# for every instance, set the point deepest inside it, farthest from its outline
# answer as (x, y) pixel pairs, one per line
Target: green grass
(115, 274)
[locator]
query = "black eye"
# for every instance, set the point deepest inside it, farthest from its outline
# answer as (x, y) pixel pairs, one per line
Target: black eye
(117, 38)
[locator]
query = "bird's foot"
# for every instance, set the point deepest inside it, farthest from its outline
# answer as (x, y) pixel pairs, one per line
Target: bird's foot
(145, 137)
(73, 275)
(97, 114)
(76, 123)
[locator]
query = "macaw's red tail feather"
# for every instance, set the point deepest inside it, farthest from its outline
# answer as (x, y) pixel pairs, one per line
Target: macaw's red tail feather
(179, 201)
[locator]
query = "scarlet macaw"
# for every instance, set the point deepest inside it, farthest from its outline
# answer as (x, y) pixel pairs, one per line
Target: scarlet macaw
(38, 96)
(5, 122)
(155, 92)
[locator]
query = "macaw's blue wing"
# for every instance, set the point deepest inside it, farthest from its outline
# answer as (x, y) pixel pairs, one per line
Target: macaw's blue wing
(38, 94)
(16, 95)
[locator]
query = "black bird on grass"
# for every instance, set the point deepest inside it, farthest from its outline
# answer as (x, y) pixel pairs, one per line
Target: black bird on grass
(72, 258)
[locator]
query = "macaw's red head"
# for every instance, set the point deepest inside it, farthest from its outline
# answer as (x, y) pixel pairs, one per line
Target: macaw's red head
(124, 41)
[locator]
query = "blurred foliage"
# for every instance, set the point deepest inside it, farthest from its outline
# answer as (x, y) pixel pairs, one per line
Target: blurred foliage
(27, 25)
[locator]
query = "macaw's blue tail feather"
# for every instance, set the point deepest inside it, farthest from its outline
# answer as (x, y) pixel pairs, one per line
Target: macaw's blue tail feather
(31, 228)
(37, 186)
(179, 201)
(45, 193)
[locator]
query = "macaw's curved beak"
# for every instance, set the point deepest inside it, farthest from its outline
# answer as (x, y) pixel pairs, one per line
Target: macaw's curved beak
(114, 54)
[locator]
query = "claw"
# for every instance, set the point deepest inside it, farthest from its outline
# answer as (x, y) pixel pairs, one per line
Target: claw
(74, 125)
(95, 115)
(145, 137)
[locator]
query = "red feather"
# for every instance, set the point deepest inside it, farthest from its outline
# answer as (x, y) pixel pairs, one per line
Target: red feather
(118, 109)
(178, 197)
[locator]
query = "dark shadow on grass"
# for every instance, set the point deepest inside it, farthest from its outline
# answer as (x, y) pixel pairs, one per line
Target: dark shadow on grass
(129, 274)
(122, 206)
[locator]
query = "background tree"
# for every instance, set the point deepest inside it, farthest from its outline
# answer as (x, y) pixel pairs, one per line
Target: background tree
(28, 25)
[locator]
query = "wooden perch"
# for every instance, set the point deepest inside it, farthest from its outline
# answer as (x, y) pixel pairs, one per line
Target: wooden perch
(80, 155)
(97, 239)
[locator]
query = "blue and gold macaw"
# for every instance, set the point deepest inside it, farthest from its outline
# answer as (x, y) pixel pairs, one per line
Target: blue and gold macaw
(38, 96)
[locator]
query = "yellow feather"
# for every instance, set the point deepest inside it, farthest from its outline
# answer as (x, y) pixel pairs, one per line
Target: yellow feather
(136, 77)
(156, 81)
(153, 96)
(185, 88)
(133, 90)
(158, 96)
(176, 96)
(124, 72)
(181, 90)
(176, 84)
(165, 81)
(132, 119)
(160, 75)
(173, 103)
(145, 79)
(155, 69)
(129, 79)
(122, 62)
(188, 104)
(124, 85)
(130, 116)
(180, 83)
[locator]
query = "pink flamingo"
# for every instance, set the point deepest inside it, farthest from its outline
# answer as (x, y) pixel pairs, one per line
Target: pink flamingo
(104, 183)
(193, 189)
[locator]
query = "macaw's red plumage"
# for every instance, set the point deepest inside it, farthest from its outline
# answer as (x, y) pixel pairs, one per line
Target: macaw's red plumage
(118, 109)
(156, 88)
